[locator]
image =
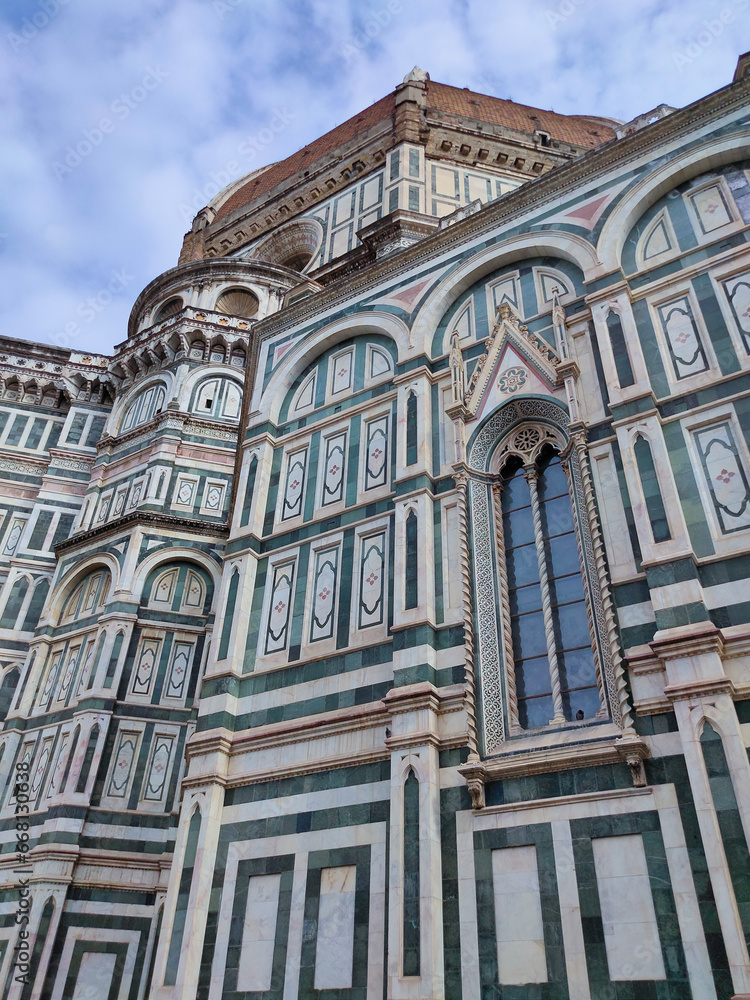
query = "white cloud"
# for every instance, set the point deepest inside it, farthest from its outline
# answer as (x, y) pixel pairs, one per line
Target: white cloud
(228, 66)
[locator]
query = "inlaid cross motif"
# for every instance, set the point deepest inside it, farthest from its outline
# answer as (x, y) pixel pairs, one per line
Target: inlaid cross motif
(278, 608)
(725, 476)
(324, 593)
(372, 578)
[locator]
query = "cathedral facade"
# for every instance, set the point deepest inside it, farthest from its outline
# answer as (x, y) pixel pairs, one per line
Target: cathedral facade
(375, 621)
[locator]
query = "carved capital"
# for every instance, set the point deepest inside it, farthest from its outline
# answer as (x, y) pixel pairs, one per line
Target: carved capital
(475, 776)
(633, 751)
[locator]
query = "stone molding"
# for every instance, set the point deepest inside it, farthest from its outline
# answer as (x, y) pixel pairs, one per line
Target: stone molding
(612, 750)
(399, 701)
(27, 467)
(496, 691)
(603, 796)
(699, 689)
(514, 205)
(145, 518)
(688, 641)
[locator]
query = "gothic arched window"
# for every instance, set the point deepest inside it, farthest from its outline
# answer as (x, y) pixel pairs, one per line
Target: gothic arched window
(144, 407)
(177, 588)
(553, 660)
(546, 646)
(218, 398)
(88, 597)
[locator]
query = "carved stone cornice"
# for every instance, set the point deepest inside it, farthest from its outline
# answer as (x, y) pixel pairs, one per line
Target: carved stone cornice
(316, 765)
(420, 738)
(396, 231)
(515, 763)
(25, 466)
(61, 458)
(315, 727)
(145, 518)
(700, 688)
(210, 742)
(568, 368)
(691, 640)
(401, 700)
(325, 177)
(210, 780)
(167, 420)
(511, 207)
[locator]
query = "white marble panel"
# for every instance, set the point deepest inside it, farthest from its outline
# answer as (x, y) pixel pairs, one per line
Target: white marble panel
(94, 975)
(334, 952)
(631, 935)
(299, 844)
(75, 934)
(636, 614)
(614, 525)
(518, 916)
(256, 956)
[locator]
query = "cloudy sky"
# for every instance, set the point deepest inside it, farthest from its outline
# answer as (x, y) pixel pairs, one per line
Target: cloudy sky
(159, 95)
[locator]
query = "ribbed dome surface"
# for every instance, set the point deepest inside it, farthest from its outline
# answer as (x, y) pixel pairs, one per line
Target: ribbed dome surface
(168, 309)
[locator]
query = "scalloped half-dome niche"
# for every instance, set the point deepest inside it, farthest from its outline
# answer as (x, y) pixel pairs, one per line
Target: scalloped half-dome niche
(237, 302)
(170, 307)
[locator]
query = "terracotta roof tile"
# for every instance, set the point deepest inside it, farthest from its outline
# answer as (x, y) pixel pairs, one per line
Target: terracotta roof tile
(311, 153)
(497, 111)
(440, 97)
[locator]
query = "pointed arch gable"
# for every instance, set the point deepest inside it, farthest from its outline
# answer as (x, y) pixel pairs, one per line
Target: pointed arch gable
(547, 243)
(300, 356)
(173, 554)
(486, 438)
(66, 583)
(714, 152)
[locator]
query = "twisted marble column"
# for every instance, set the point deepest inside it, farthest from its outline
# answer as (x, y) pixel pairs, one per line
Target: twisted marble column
(462, 480)
(549, 630)
(507, 634)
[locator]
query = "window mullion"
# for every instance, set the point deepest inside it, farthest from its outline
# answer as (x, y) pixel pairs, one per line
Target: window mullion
(530, 473)
(603, 710)
(505, 624)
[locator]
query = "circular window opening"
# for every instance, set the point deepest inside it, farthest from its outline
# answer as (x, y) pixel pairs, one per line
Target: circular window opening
(237, 302)
(169, 308)
(297, 262)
